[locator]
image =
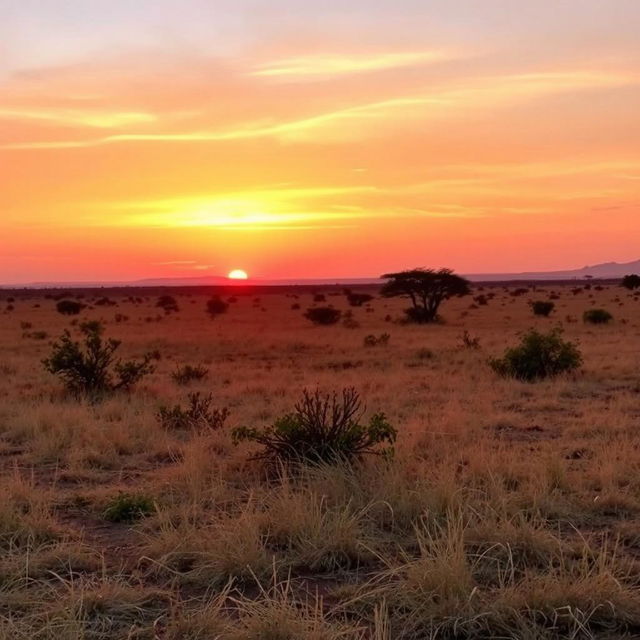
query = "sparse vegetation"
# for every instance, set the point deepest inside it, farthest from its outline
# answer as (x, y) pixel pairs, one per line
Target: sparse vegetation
(377, 341)
(322, 428)
(199, 414)
(91, 368)
(538, 356)
(128, 507)
(597, 316)
(506, 510)
(323, 315)
(189, 373)
(216, 306)
(542, 307)
(69, 307)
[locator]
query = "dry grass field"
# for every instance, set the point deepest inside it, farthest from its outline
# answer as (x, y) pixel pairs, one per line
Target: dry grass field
(509, 510)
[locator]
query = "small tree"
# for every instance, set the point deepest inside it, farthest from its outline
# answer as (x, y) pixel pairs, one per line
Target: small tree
(427, 289)
(323, 315)
(322, 428)
(216, 306)
(631, 282)
(92, 369)
(542, 307)
(69, 307)
(538, 356)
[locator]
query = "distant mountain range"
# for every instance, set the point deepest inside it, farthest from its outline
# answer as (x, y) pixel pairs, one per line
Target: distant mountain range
(604, 271)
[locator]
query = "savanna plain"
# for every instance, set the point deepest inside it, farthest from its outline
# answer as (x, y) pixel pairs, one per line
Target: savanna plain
(507, 509)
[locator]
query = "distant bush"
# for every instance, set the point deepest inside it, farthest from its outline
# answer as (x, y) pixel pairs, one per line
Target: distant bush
(105, 302)
(216, 306)
(323, 315)
(631, 282)
(597, 316)
(380, 341)
(319, 297)
(188, 373)
(358, 299)
(92, 368)
(520, 291)
(198, 415)
(168, 304)
(69, 307)
(322, 428)
(127, 507)
(538, 356)
(542, 307)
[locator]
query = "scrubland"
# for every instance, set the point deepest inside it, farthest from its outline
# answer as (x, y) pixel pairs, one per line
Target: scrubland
(509, 510)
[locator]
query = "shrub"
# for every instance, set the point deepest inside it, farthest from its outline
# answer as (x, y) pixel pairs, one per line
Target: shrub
(319, 297)
(323, 315)
(168, 304)
(185, 375)
(322, 428)
(631, 282)
(199, 414)
(91, 368)
(538, 356)
(69, 307)
(380, 341)
(216, 306)
(358, 299)
(128, 507)
(542, 307)
(470, 342)
(597, 316)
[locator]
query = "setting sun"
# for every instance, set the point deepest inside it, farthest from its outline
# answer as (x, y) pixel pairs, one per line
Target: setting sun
(237, 274)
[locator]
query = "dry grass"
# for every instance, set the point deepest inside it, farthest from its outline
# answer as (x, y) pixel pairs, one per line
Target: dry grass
(510, 510)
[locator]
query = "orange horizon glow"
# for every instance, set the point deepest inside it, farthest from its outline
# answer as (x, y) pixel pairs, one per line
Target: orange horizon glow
(484, 139)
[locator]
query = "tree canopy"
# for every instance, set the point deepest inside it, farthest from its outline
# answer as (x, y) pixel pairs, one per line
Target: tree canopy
(426, 288)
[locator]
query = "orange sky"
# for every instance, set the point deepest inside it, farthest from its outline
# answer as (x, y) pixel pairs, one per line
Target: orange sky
(336, 141)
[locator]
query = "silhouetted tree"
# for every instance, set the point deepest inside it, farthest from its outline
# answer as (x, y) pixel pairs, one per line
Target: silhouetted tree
(631, 282)
(426, 288)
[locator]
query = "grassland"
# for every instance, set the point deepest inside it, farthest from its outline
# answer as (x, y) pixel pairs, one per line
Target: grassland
(510, 510)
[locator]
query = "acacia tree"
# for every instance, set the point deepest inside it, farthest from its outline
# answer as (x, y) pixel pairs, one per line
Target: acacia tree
(426, 288)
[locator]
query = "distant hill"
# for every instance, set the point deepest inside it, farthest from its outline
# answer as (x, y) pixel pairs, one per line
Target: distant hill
(604, 271)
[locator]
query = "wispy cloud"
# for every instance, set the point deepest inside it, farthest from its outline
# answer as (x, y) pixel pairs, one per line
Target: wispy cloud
(369, 118)
(100, 119)
(329, 65)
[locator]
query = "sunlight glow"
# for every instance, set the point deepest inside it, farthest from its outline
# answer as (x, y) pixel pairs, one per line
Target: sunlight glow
(237, 274)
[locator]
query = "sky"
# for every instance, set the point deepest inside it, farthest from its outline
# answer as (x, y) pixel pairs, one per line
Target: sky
(178, 138)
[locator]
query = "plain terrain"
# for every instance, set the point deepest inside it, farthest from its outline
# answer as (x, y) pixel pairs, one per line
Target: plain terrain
(510, 510)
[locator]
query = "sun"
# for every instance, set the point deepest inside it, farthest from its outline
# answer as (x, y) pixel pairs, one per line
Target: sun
(237, 274)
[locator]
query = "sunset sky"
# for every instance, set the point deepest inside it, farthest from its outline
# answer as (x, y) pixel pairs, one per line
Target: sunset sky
(316, 139)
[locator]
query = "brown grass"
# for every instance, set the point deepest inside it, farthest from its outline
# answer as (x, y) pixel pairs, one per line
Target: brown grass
(510, 510)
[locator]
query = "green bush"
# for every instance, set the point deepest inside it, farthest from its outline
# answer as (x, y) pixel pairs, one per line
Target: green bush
(199, 414)
(322, 428)
(323, 315)
(92, 369)
(128, 507)
(597, 316)
(542, 307)
(538, 356)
